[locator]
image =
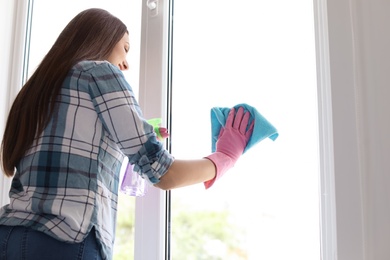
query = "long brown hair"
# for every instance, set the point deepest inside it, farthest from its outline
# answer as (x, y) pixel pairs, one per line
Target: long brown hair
(91, 35)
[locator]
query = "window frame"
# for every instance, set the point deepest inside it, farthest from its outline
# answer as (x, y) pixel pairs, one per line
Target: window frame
(327, 181)
(343, 195)
(152, 213)
(19, 20)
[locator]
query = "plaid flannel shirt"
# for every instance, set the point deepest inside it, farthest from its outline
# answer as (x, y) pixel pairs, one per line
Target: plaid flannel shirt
(68, 181)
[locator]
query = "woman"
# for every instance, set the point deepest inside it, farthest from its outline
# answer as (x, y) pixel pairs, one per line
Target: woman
(66, 136)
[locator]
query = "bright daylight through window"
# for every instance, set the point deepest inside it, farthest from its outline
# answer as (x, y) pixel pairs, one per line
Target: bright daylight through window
(263, 54)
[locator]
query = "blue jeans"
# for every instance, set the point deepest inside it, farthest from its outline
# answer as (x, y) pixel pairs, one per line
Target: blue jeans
(22, 243)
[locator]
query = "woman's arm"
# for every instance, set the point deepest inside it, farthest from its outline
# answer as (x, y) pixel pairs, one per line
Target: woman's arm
(229, 147)
(187, 172)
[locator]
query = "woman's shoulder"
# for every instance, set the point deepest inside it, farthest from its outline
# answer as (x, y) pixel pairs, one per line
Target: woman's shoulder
(95, 67)
(100, 75)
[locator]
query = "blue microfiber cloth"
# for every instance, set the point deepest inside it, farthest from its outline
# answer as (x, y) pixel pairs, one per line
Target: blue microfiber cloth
(262, 128)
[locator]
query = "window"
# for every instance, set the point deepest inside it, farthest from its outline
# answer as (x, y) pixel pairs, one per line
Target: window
(243, 44)
(262, 54)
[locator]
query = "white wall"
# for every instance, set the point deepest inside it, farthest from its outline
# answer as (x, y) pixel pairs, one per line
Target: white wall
(359, 58)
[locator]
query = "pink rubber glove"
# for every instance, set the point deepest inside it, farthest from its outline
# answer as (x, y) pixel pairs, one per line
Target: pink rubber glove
(231, 143)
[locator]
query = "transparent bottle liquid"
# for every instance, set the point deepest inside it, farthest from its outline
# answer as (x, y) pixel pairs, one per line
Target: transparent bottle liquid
(133, 184)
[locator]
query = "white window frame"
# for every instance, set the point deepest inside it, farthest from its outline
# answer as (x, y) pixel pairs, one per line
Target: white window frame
(327, 196)
(151, 209)
(342, 157)
(342, 213)
(13, 28)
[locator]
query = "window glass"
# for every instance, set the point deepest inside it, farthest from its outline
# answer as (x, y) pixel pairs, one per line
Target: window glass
(49, 18)
(261, 53)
